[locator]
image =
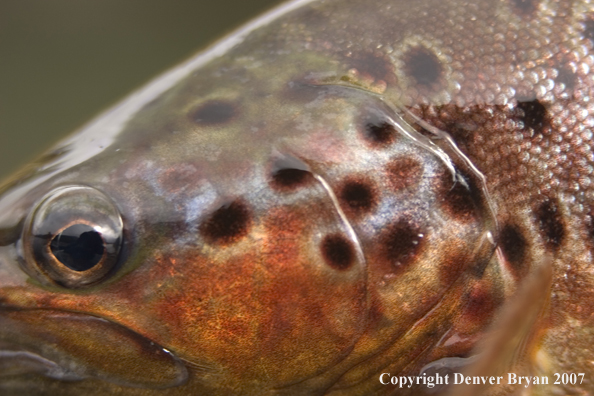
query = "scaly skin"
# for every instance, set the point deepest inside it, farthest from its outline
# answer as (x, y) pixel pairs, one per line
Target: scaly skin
(297, 221)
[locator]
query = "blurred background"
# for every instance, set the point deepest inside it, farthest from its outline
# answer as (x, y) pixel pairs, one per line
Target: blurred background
(64, 61)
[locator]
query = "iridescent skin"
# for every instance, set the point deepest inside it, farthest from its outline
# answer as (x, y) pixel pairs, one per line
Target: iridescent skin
(297, 220)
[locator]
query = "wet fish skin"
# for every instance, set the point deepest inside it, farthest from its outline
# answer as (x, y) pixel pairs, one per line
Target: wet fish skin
(296, 220)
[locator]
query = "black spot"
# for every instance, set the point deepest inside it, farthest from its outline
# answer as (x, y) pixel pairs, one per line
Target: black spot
(358, 195)
(338, 252)
(535, 114)
(550, 223)
(462, 197)
(589, 28)
(214, 112)
(401, 243)
(513, 246)
(227, 224)
(459, 200)
(526, 7)
(378, 131)
(289, 173)
(404, 173)
(423, 66)
(290, 178)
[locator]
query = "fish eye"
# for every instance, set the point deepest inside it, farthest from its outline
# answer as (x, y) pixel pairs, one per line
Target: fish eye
(72, 237)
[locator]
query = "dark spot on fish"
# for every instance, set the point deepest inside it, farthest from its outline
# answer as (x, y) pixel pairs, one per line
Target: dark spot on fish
(214, 112)
(589, 28)
(526, 7)
(567, 77)
(227, 224)
(423, 66)
(378, 131)
(374, 64)
(461, 197)
(358, 195)
(404, 173)
(402, 242)
(338, 252)
(534, 114)
(513, 246)
(459, 200)
(290, 172)
(290, 178)
(550, 223)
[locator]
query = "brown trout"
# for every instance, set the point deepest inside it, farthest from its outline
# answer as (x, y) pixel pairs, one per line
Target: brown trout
(341, 193)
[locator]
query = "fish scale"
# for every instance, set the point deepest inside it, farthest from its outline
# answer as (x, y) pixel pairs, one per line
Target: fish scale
(340, 190)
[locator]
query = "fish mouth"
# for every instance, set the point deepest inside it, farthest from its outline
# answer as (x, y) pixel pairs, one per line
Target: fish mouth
(73, 346)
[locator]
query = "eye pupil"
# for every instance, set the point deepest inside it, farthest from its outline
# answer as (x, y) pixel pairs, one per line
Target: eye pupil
(79, 247)
(73, 238)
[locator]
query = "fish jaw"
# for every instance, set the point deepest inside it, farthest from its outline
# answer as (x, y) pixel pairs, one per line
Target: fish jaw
(84, 346)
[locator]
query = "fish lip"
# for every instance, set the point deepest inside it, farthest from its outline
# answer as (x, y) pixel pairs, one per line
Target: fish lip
(32, 342)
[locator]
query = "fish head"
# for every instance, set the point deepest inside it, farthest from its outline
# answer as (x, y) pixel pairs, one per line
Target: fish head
(342, 191)
(243, 231)
(331, 231)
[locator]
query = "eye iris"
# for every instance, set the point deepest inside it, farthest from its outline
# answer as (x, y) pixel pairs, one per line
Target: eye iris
(79, 247)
